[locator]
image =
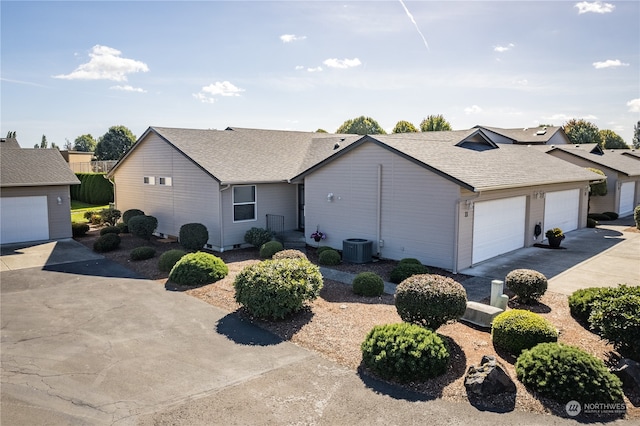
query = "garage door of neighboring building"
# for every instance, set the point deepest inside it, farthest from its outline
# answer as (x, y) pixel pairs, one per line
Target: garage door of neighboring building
(627, 193)
(498, 227)
(562, 210)
(24, 219)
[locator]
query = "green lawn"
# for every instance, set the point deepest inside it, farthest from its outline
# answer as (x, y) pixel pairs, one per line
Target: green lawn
(78, 210)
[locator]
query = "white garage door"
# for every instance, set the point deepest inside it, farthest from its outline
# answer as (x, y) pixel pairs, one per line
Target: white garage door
(498, 227)
(23, 219)
(561, 210)
(627, 192)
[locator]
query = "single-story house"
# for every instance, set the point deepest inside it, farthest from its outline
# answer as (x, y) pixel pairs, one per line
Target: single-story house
(622, 171)
(79, 161)
(35, 197)
(451, 199)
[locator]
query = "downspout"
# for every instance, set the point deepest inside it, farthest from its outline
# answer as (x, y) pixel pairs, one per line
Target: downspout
(379, 210)
(220, 221)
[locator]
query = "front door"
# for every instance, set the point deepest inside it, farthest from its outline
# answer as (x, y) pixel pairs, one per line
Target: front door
(301, 207)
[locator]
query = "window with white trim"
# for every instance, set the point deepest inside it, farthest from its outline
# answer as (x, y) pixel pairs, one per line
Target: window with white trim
(244, 203)
(166, 181)
(149, 180)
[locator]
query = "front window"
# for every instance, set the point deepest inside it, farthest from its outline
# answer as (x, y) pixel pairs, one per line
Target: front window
(244, 203)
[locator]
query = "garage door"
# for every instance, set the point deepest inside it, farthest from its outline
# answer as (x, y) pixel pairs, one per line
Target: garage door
(562, 210)
(23, 219)
(627, 192)
(498, 227)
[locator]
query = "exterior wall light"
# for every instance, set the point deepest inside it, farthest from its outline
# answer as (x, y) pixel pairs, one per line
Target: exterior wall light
(330, 197)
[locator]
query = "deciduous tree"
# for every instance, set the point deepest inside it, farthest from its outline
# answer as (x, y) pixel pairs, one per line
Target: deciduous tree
(113, 144)
(361, 126)
(434, 123)
(403, 126)
(85, 143)
(612, 140)
(581, 131)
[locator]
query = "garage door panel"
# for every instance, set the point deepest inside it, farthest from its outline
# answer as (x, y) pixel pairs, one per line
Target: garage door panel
(627, 193)
(24, 219)
(498, 227)
(562, 209)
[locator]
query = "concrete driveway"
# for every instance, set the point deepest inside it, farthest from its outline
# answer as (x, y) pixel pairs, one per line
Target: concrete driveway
(87, 342)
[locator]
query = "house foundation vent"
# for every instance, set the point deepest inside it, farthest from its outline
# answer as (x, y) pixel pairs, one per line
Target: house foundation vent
(356, 250)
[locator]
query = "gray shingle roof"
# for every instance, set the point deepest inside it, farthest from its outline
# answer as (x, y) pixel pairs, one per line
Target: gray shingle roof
(533, 135)
(611, 159)
(34, 167)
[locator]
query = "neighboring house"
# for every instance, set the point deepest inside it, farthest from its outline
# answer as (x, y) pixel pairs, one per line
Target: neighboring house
(450, 199)
(622, 170)
(34, 202)
(548, 135)
(631, 153)
(79, 161)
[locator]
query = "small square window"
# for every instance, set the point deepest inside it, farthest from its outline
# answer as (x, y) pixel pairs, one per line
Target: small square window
(165, 181)
(149, 180)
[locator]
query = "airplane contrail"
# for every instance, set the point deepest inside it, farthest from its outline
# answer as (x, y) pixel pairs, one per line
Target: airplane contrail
(414, 24)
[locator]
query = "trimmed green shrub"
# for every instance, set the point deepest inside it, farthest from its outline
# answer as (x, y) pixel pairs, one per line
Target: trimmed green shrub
(289, 254)
(107, 242)
(142, 226)
(581, 302)
(321, 249)
(169, 258)
(124, 229)
(131, 213)
(93, 189)
(406, 270)
(612, 215)
(110, 216)
(89, 214)
(273, 289)
(79, 229)
(368, 284)
(636, 216)
(329, 257)
(409, 261)
(430, 300)
(527, 284)
(198, 268)
(591, 223)
(404, 352)
(110, 230)
(193, 236)
(270, 248)
(598, 188)
(618, 321)
(257, 237)
(565, 373)
(142, 253)
(517, 330)
(598, 216)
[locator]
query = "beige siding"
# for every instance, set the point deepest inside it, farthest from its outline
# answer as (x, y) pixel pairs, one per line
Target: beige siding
(193, 196)
(59, 214)
(416, 206)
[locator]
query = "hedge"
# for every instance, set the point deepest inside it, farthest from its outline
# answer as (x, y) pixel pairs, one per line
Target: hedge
(94, 189)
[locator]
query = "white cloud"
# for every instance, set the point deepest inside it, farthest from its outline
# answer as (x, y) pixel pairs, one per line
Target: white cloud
(316, 69)
(501, 49)
(299, 67)
(105, 64)
(219, 88)
(474, 109)
(128, 88)
(609, 63)
(288, 38)
(521, 82)
(634, 105)
(594, 7)
(342, 63)
(565, 117)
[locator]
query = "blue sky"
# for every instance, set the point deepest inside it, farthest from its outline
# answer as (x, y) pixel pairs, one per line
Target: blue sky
(71, 68)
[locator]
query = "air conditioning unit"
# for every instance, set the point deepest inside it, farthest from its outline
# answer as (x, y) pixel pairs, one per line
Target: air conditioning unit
(356, 250)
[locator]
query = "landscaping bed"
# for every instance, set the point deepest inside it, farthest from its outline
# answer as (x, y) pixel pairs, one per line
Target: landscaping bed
(337, 322)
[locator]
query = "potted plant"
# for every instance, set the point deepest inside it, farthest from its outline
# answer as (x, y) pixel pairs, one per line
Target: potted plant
(317, 236)
(555, 236)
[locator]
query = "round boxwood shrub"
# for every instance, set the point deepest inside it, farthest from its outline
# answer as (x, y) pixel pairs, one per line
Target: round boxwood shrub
(106, 242)
(198, 268)
(124, 229)
(527, 284)
(581, 302)
(269, 249)
(273, 289)
(430, 300)
(565, 373)
(618, 320)
(142, 226)
(409, 261)
(517, 330)
(368, 284)
(257, 237)
(79, 229)
(169, 258)
(289, 254)
(404, 352)
(110, 230)
(321, 249)
(193, 236)
(142, 253)
(612, 215)
(131, 213)
(406, 270)
(329, 257)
